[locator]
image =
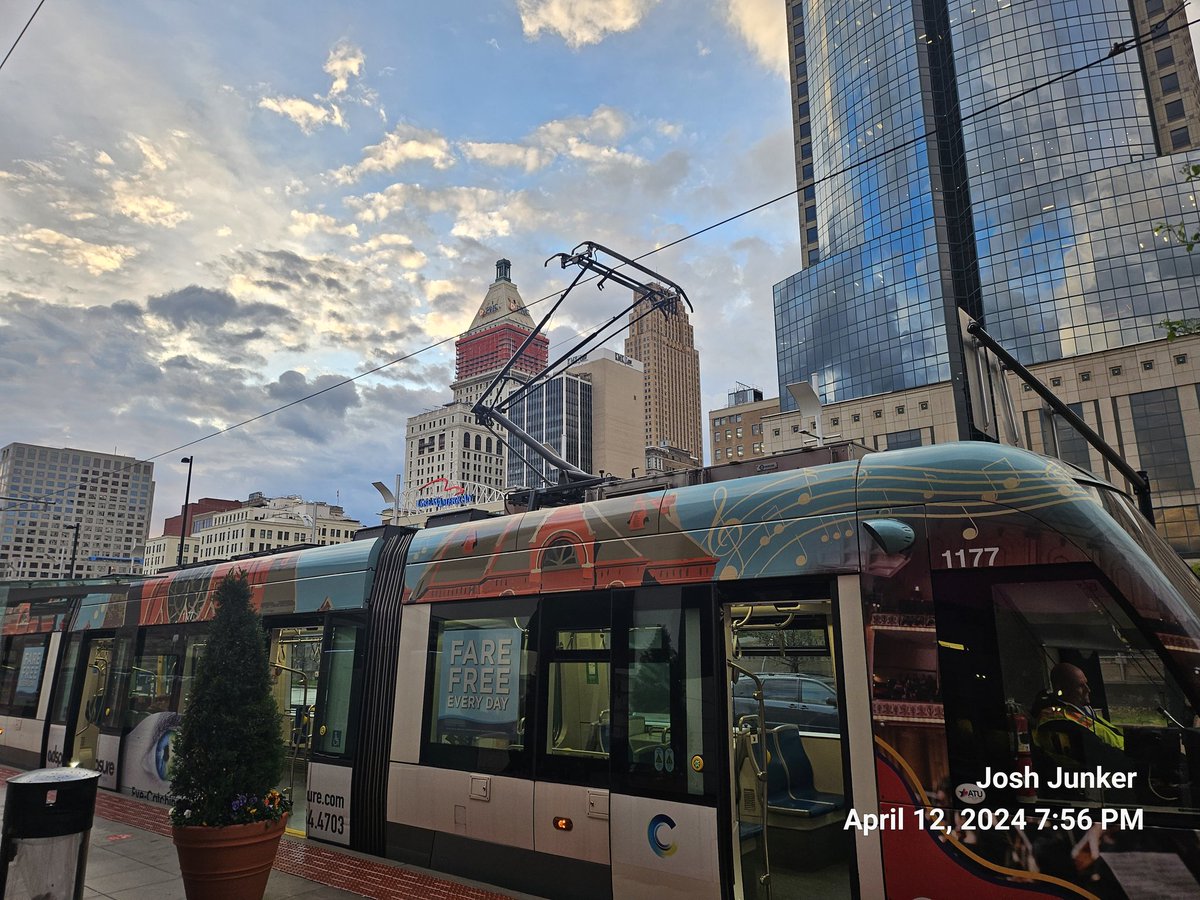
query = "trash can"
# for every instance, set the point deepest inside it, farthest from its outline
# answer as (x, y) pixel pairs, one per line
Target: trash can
(44, 839)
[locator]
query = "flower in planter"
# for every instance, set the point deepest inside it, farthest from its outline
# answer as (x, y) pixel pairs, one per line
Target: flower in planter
(228, 754)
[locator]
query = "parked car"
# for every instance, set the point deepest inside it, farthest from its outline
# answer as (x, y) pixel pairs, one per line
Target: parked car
(805, 700)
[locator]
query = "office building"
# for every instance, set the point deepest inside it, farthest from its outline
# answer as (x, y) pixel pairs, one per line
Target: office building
(1171, 78)
(558, 415)
(1143, 400)
(449, 454)
(1036, 218)
(737, 428)
(258, 524)
(665, 345)
(50, 491)
(618, 402)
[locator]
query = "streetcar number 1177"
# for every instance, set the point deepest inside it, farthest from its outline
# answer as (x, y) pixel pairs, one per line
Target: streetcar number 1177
(975, 558)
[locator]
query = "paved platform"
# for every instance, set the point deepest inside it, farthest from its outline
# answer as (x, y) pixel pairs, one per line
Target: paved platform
(131, 857)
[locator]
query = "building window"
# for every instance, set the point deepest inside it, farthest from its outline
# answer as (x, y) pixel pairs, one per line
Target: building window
(1180, 359)
(795, 429)
(834, 421)
(775, 432)
(856, 417)
(1162, 441)
(1169, 82)
(814, 257)
(1180, 138)
(901, 440)
(1165, 56)
(1147, 364)
(810, 192)
(1159, 30)
(1153, 7)
(1056, 381)
(1174, 110)
(810, 214)
(924, 405)
(1114, 371)
(1085, 376)
(878, 413)
(806, 148)
(811, 234)
(899, 410)
(718, 455)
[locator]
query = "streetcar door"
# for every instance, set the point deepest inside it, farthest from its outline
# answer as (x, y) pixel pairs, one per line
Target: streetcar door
(296, 661)
(81, 745)
(788, 781)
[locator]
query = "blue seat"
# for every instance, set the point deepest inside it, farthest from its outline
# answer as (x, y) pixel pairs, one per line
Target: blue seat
(790, 785)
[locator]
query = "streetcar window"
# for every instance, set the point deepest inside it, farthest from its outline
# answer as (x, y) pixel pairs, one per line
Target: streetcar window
(1063, 657)
(341, 673)
(66, 681)
(154, 676)
(578, 694)
(662, 677)
(481, 657)
(21, 664)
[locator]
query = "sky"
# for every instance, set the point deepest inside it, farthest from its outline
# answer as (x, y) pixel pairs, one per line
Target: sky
(211, 209)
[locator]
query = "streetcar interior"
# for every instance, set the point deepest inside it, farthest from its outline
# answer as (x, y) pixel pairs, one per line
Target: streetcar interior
(787, 722)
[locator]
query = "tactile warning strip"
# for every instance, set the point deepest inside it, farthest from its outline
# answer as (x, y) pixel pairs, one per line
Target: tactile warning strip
(356, 874)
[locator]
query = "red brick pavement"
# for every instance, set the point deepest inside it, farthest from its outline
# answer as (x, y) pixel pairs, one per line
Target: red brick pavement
(313, 862)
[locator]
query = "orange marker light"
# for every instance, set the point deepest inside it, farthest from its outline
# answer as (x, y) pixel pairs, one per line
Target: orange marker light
(562, 823)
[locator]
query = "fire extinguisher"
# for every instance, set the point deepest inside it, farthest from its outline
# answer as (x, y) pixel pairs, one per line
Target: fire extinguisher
(1018, 724)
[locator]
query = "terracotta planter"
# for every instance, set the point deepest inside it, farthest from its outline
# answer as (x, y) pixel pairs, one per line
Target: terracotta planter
(228, 863)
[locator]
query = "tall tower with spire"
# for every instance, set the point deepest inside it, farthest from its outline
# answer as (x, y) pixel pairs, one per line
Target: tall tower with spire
(448, 453)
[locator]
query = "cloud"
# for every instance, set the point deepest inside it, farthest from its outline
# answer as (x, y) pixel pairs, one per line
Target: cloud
(762, 24)
(98, 259)
(345, 60)
(581, 22)
(405, 144)
(575, 137)
(313, 419)
(307, 223)
(307, 115)
(207, 308)
(147, 208)
(474, 213)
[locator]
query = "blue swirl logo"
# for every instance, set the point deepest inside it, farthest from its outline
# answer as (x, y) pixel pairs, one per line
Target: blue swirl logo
(657, 844)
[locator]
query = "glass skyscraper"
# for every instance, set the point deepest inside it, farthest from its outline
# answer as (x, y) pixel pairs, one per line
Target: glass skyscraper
(917, 198)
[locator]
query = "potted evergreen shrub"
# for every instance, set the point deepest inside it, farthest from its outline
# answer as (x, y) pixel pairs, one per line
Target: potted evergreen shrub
(227, 758)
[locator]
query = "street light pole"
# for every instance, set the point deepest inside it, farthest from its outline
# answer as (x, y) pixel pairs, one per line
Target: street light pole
(187, 496)
(74, 550)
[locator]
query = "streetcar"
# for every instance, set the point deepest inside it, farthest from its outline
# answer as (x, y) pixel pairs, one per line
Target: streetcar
(926, 672)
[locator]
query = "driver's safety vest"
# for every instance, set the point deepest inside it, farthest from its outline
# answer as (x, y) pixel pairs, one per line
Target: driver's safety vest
(1053, 732)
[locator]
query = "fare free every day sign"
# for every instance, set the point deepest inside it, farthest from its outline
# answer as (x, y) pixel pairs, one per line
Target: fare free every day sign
(480, 674)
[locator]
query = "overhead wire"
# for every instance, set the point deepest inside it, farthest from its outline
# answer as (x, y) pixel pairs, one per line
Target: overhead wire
(21, 35)
(1117, 49)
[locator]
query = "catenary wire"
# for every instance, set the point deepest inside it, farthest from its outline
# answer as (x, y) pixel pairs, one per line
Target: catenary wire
(1117, 49)
(21, 35)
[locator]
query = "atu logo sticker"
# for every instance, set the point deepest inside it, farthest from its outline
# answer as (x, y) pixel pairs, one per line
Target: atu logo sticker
(661, 848)
(970, 793)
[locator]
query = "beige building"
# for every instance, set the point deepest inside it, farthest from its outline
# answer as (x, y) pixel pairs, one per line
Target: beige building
(737, 429)
(163, 552)
(60, 501)
(618, 399)
(1143, 400)
(1169, 65)
(261, 524)
(666, 346)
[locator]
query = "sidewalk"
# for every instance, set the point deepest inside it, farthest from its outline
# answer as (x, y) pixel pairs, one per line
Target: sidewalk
(131, 857)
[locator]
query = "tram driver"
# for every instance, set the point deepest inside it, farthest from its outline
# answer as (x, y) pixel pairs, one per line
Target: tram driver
(1068, 730)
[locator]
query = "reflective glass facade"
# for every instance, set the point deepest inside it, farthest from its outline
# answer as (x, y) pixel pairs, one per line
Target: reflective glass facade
(1038, 217)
